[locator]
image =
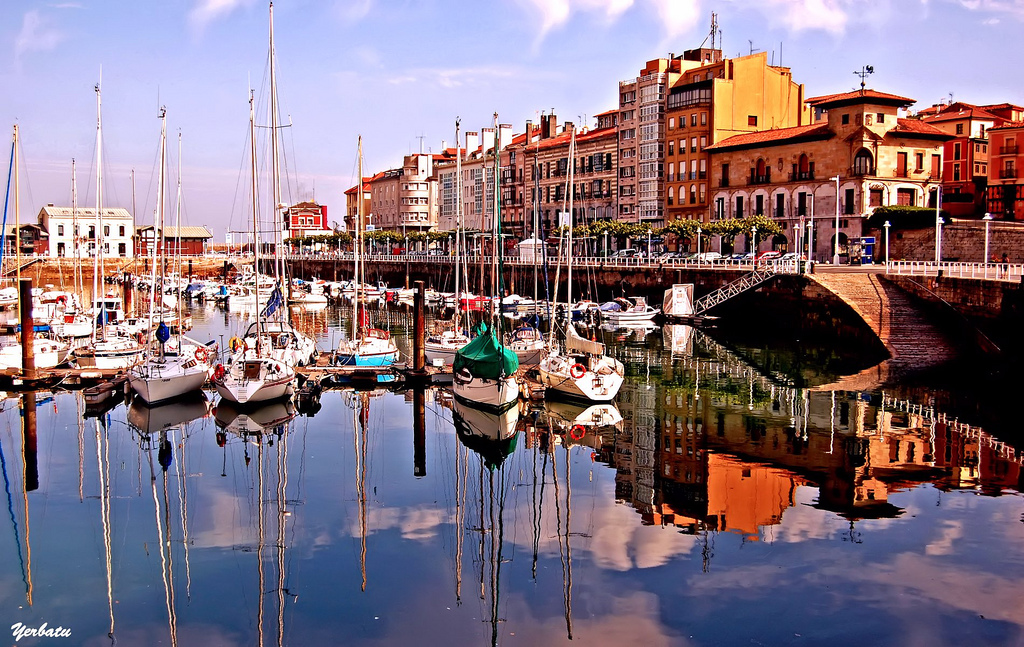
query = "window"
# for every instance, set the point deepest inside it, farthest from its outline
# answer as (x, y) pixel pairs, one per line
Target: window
(759, 204)
(719, 208)
(671, 172)
(703, 174)
(801, 203)
(106, 230)
(671, 147)
(671, 196)
(880, 117)
(918, 162)
(863, 163)
(956, 172)
(92, 231)
(846, 119)
(936, 165)
(725, 175)
(739, 207)
(704, 117)
(875, 198)
(905, 197)
(693, 144)
(956, 150)
(780, 205)
(671, 122)
(703, 142)
(901, 165)
(693, 119)
(959, 129)
(848, 202)
(693, 194)
(60, 230)
(703, 193)
(752, 120)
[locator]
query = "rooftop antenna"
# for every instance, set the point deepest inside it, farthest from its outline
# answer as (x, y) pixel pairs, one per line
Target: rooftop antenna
(864, 72)
(420, 137)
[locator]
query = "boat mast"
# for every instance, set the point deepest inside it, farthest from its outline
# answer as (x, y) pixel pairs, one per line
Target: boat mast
(158, 222)
(17, 219)
(569, 190)
(177, 246)
(78, 281)
(496, 232)
(274, 171)
(256, 242)
(357, 248)
(458, 223)
(98, 235)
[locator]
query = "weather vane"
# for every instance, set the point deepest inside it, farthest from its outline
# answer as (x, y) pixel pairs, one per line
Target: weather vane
(864, 73)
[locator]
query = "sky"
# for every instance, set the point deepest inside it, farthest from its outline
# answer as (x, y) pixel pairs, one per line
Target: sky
(399, 72)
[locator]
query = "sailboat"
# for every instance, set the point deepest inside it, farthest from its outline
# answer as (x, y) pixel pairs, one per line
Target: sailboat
(442, 344)
(47, 352)
(253, 374)
(69, 321)
(163, 377)
(484, 369)
(581, 369)
(105, 350)
(368, 346)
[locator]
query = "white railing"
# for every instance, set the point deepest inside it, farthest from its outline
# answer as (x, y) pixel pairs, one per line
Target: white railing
(985, 271)
(781, 267)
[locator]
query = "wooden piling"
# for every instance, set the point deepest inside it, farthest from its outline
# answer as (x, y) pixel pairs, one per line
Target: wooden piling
(28, 357)
(419, 432)
(29, 446)
(420, 328)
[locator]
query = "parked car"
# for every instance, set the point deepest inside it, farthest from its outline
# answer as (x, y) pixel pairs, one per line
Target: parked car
(736, 257)
(668, 256)
(709, 257)
(768, 256)
(624, 253)
(792, 256)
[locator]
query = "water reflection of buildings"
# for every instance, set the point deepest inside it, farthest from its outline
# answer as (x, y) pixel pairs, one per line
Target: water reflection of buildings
(713, 445)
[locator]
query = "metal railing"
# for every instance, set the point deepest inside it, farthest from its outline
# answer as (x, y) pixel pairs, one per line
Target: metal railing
(728, 291)
(636, 262)
(1010, 272)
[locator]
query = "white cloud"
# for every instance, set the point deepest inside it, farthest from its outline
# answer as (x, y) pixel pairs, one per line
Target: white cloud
(35, 35)
(351, 11)
(1014, 7)
(677, 16)
(207, 11)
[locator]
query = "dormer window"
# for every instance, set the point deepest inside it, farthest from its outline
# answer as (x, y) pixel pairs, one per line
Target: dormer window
(846, 119)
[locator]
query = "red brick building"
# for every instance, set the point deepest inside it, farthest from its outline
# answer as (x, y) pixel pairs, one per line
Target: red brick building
(194, 241)
(306, 219)
(1005, 179)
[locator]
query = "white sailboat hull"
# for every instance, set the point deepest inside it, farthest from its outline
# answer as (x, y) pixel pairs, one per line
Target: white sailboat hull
(557, 374)
(156, 383)
(489, 395)
(109, 354)
(255, 380)
(47, 354)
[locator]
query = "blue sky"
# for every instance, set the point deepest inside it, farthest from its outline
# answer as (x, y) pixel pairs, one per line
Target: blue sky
(396, 70)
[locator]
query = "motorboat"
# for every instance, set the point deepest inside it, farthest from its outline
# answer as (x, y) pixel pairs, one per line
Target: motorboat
(372, 347)
(623, 311)
(441, 346)
(112, 351)
(527, 343)
(47, 353)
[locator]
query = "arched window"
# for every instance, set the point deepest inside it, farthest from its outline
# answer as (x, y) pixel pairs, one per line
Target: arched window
(805, 164)
(760, 168)
(863, 163)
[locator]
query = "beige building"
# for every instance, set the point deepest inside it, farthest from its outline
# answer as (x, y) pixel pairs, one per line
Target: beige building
(789, 174)
(77, 232)
(714, 101)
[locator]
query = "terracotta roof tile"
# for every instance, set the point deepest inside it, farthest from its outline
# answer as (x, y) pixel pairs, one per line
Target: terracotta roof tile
(775, 136)
(859, 96)
(917, 127)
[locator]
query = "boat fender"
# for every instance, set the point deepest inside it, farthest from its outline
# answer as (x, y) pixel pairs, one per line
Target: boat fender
(577, 370)
(219, 373)
(202, 354)
(577, 432)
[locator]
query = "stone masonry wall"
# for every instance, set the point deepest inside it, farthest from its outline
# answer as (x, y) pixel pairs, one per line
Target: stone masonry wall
(962, 240)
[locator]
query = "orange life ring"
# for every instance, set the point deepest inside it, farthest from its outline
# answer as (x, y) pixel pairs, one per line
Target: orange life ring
(577, 432)
(219, 373)
(235, 343)
(202, 354)
(577, 370)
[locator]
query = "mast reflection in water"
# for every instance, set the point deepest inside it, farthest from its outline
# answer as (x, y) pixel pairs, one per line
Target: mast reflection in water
(717, 501)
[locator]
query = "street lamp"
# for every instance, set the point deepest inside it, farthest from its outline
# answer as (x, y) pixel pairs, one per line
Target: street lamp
(887, 225)
(835, 255)
(810, 232)
(988, 221)
(938, 224)
(649, 242)
(753, 240)
(699, 231)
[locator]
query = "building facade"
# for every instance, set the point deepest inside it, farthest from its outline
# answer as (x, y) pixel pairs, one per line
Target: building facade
(308, 218)
(790, 174)
(1005, 197)
(79, 232)
(352, 204)
(186, 241)
(711, 100)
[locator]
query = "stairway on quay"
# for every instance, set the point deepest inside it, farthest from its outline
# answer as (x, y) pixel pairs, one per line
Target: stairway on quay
(914, 342)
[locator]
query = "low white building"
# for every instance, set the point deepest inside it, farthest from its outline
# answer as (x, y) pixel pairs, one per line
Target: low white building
(77, 232)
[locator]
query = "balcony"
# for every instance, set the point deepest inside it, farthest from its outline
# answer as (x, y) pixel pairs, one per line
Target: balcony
(1008, 150)
(803, 175)
(1007, 173)
(766, 178)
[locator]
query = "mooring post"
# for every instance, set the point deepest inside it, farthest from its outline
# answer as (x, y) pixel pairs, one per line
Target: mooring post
(419, 432)
(420, 328)
(28, 356)
(28, 401)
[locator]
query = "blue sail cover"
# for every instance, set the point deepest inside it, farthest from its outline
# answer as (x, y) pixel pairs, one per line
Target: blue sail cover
(485, 357)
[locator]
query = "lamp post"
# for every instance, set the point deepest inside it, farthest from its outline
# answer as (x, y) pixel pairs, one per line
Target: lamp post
(753, 240)
(887, 225)
(938, 224)
(810, 233)
(649, 243)
(835, 255)
(698, 243)
(606, 243)
(988, 220)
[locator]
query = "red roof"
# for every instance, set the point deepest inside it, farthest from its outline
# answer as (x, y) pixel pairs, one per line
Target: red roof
(606, 113)
(772, 137)
(366, 187)
(917, 127)
(960, 111)
(859, 96)
(1008, 125)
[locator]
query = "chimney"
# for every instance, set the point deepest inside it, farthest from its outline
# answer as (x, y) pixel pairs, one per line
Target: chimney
(472, 142)
(444, 146)
(529, 131)
(548, 126)
(486, 139)
(504, 135)
(568, 127)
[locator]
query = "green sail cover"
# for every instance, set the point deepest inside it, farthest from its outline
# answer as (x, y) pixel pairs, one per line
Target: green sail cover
(485, 357)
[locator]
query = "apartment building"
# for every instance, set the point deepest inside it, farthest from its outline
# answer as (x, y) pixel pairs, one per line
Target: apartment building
(789, 174)
(78, 232)
(1005, 197)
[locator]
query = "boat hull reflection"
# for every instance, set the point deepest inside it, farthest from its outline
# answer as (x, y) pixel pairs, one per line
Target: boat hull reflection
(153, 418)
(246, 421)
(492, 436)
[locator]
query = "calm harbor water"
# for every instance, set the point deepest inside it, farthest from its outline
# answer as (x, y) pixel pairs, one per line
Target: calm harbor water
(716, 504)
